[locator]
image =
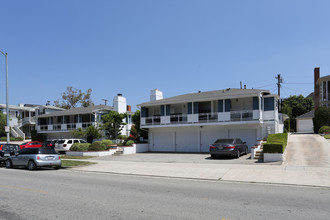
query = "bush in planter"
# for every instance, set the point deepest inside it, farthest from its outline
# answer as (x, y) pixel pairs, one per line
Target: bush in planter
(273, 148)
(276, 143)
(129, 143)
(97, 146)
(107, 144)
(80, 147)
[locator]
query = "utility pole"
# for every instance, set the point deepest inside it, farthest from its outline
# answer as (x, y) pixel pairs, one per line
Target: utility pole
(105, 101)
(279, 81)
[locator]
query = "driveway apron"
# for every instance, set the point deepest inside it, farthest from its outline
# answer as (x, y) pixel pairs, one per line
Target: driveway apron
(307, 150)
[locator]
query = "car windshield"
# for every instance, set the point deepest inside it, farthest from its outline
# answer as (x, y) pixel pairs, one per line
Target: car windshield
(224, 141)
(11, 147)
(47, 151)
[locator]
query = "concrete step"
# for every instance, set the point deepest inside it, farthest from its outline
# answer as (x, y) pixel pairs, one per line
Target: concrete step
(118, 153)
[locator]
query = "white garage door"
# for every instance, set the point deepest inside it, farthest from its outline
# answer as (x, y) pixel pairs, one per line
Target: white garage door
(305, 126)
(163, 141)
(247, 135)
(186, 140)
(209, 135)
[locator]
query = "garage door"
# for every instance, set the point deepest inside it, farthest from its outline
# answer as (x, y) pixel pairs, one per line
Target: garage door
(186, 140)
(163, 141)
(305, 126)
(209, 135)
(247, 135)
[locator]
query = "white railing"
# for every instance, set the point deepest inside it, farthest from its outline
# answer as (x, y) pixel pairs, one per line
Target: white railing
(27, 120)
(65, 127)
(246, 115)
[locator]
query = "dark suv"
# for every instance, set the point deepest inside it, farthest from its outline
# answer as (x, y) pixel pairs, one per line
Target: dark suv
(32, 158)
(7, 150)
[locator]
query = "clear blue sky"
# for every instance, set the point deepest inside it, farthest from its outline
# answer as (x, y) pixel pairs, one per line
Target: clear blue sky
(177, 46)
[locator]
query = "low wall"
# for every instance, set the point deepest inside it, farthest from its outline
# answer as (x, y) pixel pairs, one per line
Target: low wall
(273, 157)
(91, 153)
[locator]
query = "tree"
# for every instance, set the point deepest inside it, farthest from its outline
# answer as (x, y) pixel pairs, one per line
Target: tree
(72, 97)
(321, 118)
(3, 123)
(295, 106)
(136, 121)
(90, 133)
(112, 123)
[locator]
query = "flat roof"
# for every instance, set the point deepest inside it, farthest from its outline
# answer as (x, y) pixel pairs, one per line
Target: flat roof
(77, 111)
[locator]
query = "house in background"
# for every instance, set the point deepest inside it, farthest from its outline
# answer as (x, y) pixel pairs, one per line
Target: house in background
(321, 97)
(60, 125)
(22, 117)
(192, 122)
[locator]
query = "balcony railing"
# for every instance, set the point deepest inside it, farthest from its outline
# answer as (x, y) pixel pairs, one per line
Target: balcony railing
(65, 127)
(199, 118)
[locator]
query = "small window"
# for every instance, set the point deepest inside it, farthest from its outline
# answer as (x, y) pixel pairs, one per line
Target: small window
(82, 141)
(75, 141)
(69, 141)
(269, 104)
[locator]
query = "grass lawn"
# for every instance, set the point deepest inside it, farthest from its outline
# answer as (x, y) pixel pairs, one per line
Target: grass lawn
(75, 157)
(72, 163)
(327, 136)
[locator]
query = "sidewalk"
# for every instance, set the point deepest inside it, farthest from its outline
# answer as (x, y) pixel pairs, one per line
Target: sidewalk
(271, 174)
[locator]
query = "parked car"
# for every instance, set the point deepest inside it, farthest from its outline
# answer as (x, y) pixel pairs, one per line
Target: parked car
(31, 144)
(50, 143)
(65, 144)
(228, 147)
(7, 150)
(35, 157)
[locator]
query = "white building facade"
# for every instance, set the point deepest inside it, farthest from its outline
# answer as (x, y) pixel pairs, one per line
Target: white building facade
(59, 125)
(192, 122)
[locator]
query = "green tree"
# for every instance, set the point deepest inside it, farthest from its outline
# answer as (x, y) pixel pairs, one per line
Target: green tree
(78, 133)
(3, 123)
(112, 123)
(295, 106)
(321, 118)
(92, 133)
(137, 122)
(72, 97)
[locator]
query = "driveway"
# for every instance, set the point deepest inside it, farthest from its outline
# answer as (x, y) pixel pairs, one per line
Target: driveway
(307, 150)
(198, 158)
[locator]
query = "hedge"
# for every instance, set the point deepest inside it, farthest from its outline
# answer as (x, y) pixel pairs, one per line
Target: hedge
(276, 143)
(11, 139)
(80, 147)
(324, 130)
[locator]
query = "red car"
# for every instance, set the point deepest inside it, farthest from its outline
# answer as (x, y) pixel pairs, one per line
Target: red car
(31, 144)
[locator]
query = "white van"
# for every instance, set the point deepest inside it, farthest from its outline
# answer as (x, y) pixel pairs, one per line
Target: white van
(64, 145)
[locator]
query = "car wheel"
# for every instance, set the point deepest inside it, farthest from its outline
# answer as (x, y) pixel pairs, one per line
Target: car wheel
(56, 168)
(9, 164)
(213, 156)
(238, 154)
(32, 165)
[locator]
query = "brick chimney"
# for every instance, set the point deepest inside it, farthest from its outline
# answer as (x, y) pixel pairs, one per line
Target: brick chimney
(316, 87)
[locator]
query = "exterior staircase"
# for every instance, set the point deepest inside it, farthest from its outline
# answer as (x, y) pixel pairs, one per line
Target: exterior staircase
(260, 154)
(119, 152)
(16, 132)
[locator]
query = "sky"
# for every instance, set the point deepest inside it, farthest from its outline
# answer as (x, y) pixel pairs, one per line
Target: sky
(176, 46)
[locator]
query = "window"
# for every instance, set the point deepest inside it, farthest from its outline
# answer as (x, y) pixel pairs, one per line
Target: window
(255, 103)
(220, 105)
(69, 141)
(269, 104)
(227, 105)
(75, 141)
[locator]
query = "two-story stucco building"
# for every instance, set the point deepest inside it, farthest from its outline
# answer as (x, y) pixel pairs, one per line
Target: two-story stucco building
(192, 122)
(60, 125)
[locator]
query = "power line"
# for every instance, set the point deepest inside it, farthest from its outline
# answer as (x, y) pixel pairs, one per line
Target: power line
(295, 90)
(264, 86)
(298, 83)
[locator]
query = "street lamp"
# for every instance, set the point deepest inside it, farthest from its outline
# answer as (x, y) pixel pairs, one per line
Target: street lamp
(7, 109)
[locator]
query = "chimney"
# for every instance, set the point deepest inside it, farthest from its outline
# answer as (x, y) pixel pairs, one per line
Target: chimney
(316, 87)
(156, 95)
(129, 108)
(119, 103)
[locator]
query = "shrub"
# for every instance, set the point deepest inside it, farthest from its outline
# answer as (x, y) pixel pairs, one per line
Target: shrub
(129, 143)
(276, 143)
(273, 148)
(324, 130)
(321, 118)
(107, 144)
(80, 147)
(97, 146)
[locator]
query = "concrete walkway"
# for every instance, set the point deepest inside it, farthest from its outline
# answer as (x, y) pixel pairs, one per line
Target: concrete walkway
(303, 174)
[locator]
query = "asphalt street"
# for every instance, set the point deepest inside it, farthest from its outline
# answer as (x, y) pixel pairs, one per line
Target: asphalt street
(67, 194)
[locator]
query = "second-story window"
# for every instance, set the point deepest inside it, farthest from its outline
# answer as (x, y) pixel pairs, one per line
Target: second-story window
(269, 104)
